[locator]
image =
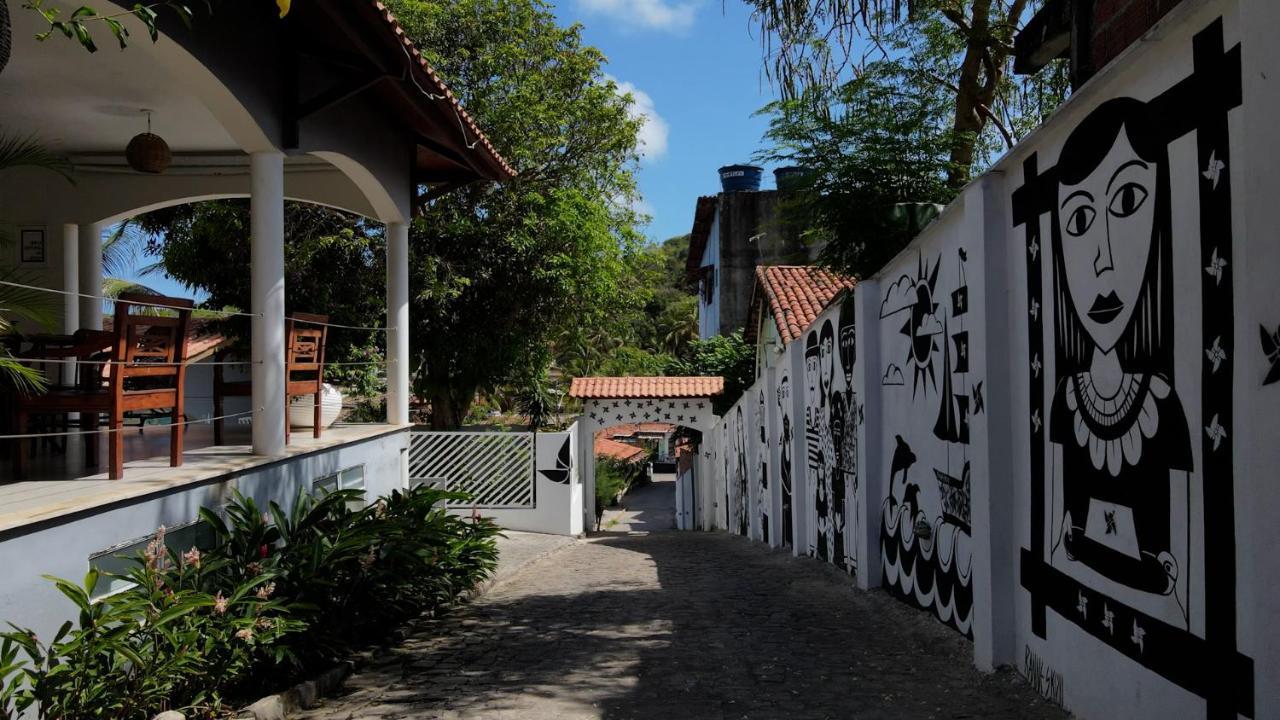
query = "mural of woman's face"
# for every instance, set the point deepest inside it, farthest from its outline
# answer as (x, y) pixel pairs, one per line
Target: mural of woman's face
(1106, 223)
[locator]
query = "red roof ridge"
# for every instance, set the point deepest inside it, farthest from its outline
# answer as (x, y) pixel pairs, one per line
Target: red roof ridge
(655, 386)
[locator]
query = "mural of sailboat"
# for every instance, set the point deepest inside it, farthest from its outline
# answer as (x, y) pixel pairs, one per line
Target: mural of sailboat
(953, 413)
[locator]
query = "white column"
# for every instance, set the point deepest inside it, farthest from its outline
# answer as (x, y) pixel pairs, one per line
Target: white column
(397, 323)
(266, 282)
(91, 275)
(70, 278)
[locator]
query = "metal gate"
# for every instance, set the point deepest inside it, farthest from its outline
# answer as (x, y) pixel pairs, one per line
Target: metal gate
(495, 469)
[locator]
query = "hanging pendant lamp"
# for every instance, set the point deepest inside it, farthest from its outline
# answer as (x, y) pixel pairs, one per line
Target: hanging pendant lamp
(147, 152)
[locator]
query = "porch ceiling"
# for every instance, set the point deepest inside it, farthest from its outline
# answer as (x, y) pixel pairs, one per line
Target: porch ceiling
(74, 101)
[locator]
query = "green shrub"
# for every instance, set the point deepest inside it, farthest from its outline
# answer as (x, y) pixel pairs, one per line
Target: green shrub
(277, 595)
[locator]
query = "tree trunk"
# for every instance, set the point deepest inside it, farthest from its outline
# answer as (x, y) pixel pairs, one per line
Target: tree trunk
(974, 92)
(450, 403)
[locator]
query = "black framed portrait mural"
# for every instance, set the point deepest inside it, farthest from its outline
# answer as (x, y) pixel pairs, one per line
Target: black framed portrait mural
(1129, 297)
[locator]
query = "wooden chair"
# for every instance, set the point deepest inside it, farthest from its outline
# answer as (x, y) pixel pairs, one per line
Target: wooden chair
(147, 372)
(305, 338)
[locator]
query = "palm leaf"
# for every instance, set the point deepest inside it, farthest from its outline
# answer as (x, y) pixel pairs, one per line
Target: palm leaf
(26, 151)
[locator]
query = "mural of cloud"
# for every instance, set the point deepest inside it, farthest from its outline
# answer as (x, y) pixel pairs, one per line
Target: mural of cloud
(651, 140)
(892, 376)
(649, 14)
(900, 296)
(929, 325)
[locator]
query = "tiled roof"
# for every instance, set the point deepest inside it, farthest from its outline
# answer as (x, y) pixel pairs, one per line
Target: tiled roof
(645, 387)
(204, 337)
(796, 295)
(439, 88)
(628, 429)
(619, 450)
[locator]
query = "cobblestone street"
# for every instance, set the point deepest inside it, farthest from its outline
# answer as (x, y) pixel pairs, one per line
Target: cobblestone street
(681, 625)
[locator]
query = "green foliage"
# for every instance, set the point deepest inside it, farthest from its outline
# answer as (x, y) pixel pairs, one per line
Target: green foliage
(728, 356)
(79, 24)
(335, 264)
(613, 479)
(508, 271)
(885, 147)
(278, 593)
(19, 304)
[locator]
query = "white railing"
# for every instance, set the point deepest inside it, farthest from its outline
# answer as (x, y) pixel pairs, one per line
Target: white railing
(495, 469)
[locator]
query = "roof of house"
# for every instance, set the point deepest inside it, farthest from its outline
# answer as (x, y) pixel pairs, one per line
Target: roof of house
(204, 337)
(492, 164)
(645, 387)
(795, 294)
(619, 450)
(703, 217)
(629, 429)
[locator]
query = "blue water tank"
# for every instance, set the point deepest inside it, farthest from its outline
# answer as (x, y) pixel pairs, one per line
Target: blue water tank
(736, 178)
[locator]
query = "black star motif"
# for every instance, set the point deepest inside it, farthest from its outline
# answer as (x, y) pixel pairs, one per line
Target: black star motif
(633, 416)
(693, 419)
(627, 403)
(686, 406)
(1110, 517)
(699, 406)
(680, 418)
(668, 416)
(619, 418)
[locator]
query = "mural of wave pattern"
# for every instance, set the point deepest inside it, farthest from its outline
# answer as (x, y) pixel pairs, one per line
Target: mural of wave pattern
(934, 573)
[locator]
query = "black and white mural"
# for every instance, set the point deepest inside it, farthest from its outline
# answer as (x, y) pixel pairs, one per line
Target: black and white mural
(559, 468)
(763, 500)
(786, 440)
(1129, 296)
(831, 422)
(737, 473)
(929, 398)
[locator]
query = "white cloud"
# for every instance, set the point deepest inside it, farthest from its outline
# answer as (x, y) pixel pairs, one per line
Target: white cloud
(652, 137)
(653, 14)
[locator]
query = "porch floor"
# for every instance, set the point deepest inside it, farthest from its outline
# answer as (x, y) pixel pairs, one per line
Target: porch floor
(60, 484)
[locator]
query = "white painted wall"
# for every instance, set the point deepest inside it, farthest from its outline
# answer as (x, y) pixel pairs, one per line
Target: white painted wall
(1158, 604)
(709, 312)
(558, 505)
(63, 549)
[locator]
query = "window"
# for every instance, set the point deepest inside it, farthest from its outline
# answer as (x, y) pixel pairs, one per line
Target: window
(115, 561)
(350, 479)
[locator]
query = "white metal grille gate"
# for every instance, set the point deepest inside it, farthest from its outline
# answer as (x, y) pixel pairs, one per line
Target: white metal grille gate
(495, 469)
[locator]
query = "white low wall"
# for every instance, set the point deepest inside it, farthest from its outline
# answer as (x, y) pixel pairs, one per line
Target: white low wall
(62, 548)
(1054, 427)
(558, 491)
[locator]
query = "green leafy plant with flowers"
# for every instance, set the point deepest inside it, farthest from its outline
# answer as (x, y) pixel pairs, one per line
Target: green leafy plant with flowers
(277, 594)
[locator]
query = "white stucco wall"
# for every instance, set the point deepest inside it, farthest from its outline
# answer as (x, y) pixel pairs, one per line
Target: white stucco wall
(1103, 527)
(558, 503)
(63, 548)
(709, 312)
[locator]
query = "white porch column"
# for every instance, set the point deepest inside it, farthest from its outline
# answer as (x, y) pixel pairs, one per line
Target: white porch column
(91, 275)
(266, 282)
(398, 323)
(70, 278)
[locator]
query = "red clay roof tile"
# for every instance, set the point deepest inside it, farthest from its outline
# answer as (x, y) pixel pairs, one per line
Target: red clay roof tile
(796, 295)
(645, 387)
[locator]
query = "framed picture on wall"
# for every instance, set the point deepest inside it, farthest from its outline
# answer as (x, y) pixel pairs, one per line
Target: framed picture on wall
(32, 247)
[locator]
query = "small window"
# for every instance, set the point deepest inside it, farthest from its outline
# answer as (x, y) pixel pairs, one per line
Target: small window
(350, 479)
(114, 562)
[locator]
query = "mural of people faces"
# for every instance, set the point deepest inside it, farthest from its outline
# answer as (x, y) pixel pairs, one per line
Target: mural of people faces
(827, 359)
(1107, 224)
(848, 342)
(1123, 439)
(812, 370)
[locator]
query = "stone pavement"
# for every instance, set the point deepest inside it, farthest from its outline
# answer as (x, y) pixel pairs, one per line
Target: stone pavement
(681, 625)
(648, 508)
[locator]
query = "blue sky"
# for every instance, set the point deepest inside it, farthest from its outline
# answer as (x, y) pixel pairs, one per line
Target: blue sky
(694, 68)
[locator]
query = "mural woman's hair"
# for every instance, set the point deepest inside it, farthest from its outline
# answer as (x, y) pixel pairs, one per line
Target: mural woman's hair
(1147, 343)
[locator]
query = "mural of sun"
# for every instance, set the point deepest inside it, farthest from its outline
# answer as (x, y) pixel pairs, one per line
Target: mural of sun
(923, 327)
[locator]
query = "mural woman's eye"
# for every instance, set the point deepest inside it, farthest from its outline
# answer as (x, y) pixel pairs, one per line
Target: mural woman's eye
(1079, 220)
(1127, 200)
